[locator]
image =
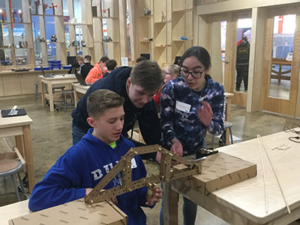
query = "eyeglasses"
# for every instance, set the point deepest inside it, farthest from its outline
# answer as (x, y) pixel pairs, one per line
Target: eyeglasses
(195, 74)
(165, 73)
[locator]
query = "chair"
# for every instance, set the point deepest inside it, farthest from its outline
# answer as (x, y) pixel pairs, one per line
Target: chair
(227, 125)
(64, 102)
(10, 167)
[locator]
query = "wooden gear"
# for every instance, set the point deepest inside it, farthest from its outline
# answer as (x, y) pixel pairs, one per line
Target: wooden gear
(166, 173)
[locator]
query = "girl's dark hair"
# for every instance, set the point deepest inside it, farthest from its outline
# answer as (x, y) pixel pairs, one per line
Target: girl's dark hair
(200, 53)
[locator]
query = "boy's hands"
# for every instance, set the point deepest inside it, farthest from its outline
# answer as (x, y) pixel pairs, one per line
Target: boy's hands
(113, 199)
(88, 190)
(156, 196)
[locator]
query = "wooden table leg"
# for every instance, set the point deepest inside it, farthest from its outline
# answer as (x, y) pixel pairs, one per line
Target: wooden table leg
(75, 97)
(43, 94)
(170, 198)
(227, 117)
(279, 73)
(51, 101)
(29, 157)
(19, 144)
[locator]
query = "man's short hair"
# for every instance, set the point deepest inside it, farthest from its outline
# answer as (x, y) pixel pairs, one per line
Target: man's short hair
(101, 100)
(139, 59)
(104, 59)
(111, 64)
(148, 75)
(88, 58)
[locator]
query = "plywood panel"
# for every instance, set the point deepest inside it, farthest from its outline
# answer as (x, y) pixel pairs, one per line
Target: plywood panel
(235, 5)
(216, 59)
(230, 53)
(287, 107)
(203, 33)
(240, 99)
(1, 87)
(160, 32)
(256, 60)
(11, 85)
(122, 28)
(159, 10)
(27, 83)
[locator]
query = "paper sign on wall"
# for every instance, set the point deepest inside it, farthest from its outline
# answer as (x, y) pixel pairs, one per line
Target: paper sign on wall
(124, 61)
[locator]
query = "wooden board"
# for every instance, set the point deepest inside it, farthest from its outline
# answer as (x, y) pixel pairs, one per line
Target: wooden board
(75, 212)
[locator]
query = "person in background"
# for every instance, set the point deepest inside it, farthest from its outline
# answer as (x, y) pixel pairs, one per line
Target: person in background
(96, 73)
(138, 86)
(242, 63)
(110, 65)
(141, 58)
(170, 73)
(97, 152)
(191, 105)
(86, 67)
(76, 66)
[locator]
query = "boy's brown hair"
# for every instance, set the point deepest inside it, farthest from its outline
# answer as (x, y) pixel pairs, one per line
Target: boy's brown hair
(101, 100)
(148, 75)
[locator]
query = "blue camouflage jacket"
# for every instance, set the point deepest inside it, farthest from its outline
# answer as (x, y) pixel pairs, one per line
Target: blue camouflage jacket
(179, 113)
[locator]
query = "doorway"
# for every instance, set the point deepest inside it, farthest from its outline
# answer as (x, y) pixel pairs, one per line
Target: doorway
(281, 61)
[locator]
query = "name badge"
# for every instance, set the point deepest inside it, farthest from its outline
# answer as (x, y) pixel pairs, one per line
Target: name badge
(133, 163)
(183, 106)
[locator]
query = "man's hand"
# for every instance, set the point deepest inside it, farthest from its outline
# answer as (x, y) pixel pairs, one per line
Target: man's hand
(156, 196)
(205, 114)
(176, 148)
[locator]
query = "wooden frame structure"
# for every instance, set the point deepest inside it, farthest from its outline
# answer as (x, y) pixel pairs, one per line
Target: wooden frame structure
(187, 168)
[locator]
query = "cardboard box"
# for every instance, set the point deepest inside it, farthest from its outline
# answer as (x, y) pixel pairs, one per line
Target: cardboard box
(220, 170)
(75, 213)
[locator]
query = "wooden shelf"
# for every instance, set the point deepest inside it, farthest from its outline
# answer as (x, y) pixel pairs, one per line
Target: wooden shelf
(69, 23)
(114, 18)
(161, 22)
(146, 17)
(14, 23)
(146, 41)
(179, 40)
(16, 48)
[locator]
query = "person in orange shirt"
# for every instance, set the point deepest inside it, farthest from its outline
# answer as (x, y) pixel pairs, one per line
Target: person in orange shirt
(170, 73)
(96, 73)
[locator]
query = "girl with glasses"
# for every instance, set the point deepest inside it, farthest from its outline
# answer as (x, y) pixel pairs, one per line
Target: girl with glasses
(191, 105)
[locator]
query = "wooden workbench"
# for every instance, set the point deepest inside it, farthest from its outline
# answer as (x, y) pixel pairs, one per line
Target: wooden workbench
(244, 203)
(50, 81)
(19, 127)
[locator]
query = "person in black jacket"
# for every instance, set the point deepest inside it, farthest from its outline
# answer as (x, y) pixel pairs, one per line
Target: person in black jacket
(138, 86)
(110, 65)
(242, 63)
(86, 67)
(76, 66)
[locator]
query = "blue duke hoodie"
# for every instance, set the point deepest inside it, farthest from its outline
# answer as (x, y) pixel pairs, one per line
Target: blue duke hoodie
(83, 166)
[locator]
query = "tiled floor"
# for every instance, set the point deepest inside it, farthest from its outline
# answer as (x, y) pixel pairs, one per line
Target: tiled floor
(51, 137)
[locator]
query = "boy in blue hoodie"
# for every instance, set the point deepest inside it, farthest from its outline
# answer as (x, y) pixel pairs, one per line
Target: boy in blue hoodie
(82, 167)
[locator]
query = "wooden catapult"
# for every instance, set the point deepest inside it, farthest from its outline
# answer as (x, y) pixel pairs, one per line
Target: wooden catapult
(98, 209)
(166, 174)
(219, 171)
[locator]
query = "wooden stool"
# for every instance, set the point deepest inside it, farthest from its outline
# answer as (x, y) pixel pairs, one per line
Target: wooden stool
(10, 167)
